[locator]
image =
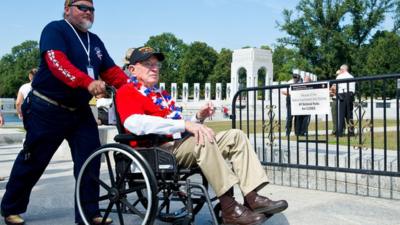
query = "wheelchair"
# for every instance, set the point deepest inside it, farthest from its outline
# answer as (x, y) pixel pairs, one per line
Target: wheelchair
(140, 185)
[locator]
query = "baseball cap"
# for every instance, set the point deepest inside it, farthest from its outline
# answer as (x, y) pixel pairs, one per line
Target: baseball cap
(143, 53)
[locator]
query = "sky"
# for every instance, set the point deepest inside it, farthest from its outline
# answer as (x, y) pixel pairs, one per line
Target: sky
(122, 24)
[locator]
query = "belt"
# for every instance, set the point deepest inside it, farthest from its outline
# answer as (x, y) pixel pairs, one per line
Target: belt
(51, 101)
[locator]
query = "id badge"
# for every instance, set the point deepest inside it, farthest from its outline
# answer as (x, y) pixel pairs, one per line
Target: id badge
(90, 72)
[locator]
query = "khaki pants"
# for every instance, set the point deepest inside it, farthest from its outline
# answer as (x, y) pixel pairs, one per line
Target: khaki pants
(232, 145)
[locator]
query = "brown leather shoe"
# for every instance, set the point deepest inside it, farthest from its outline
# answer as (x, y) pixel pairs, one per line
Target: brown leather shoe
(98, 219)
(261, 204)
(237, 214)
(14, 220)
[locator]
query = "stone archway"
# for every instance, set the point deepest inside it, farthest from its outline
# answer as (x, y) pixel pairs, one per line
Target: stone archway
(242, 78)
(252, 60)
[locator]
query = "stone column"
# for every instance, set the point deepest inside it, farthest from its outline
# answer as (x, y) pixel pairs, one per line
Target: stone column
(185, 92)
(174, 91)
(228, 92)
(196, 90)
(162, 86)
(207, 92)
(218, 91)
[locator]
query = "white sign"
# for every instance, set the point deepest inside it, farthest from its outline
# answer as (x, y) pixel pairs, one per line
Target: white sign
(310, 99)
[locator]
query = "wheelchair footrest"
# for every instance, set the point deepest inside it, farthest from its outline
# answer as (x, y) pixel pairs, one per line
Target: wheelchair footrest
(189, 185)
(177, 215)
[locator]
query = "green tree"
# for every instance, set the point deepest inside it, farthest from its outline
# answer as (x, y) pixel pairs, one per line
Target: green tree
(173, 49)
(285, 60)
(396, 27)
(328, 33)
(383, 58)
(222, 69)
(197, 63)
(14, 67)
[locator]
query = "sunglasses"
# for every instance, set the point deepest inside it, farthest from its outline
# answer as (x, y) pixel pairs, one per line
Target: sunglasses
(84, 8)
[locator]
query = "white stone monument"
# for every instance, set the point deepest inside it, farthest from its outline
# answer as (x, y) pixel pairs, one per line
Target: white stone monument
(228, 92)
(252, 60)
(196, 92)
(207, 92)
(174, 91)
(162, 87)
(185, 92)
(218, 91)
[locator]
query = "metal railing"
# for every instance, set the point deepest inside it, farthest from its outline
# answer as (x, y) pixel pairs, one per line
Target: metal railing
(370, 143)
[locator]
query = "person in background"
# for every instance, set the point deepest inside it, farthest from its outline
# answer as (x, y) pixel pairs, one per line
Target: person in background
(144, 109)
(301, 122)
(332, 93)
(346, 100)
(296, 79)
(23, 92)
(126, 60)
(72, 62)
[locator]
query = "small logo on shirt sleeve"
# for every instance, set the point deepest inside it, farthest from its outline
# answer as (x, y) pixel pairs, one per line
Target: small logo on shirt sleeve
(98, 53)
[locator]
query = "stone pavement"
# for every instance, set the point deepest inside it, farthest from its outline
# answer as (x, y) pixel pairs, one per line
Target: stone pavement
(52, 200)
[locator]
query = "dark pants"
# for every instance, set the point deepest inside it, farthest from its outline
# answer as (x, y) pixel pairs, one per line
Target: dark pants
(301, 125)
(289, 118)
(47, 126)
(345, 112)
(300, 122)
(334, 115)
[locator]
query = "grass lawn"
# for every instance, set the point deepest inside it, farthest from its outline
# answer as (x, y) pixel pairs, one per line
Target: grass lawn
(391, 137)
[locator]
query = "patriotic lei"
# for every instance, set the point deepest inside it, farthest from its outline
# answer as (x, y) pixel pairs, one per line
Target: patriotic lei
(160, 98)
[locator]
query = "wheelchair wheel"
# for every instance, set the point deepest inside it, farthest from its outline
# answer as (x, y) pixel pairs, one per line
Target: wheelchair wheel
(116, 199)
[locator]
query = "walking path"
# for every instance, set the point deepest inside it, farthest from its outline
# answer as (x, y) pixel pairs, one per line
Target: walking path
(52, 200)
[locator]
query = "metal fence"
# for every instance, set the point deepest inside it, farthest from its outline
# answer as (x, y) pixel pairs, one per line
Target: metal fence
(370, 143)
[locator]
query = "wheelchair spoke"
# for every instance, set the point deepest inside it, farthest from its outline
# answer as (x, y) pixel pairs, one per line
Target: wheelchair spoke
(104, 185)
(110, 170)
(132, 208)
(121, 180)
(119, 210)
(107, 213)
(104, 197)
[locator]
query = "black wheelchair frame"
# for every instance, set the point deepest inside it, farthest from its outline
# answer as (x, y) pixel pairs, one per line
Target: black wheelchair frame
(140, 184)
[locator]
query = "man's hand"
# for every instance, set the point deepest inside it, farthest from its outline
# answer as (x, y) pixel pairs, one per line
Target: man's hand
(199, 131)
(205, 111)
(97, 87)
(332, 90)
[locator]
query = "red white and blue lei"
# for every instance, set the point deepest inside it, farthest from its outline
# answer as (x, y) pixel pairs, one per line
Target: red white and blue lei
(160, 98)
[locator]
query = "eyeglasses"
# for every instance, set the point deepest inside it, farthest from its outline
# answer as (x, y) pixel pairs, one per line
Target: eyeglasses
(151, 65)
(84, 8)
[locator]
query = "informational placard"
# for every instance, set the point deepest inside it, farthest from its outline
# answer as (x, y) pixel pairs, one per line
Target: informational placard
(310, 99)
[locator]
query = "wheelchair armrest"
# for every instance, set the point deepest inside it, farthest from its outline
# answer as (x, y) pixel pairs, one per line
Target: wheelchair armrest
(153, 139)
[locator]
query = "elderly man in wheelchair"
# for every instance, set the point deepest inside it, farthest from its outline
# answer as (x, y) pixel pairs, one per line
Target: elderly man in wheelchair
(144, 109)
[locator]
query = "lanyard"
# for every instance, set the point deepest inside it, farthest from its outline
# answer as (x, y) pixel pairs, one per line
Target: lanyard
(87, 50)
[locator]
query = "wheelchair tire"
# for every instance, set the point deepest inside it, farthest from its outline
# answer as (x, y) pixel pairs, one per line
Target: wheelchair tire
(117, 200)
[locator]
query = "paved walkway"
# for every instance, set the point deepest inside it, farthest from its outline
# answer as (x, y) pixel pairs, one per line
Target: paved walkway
(52, 200)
